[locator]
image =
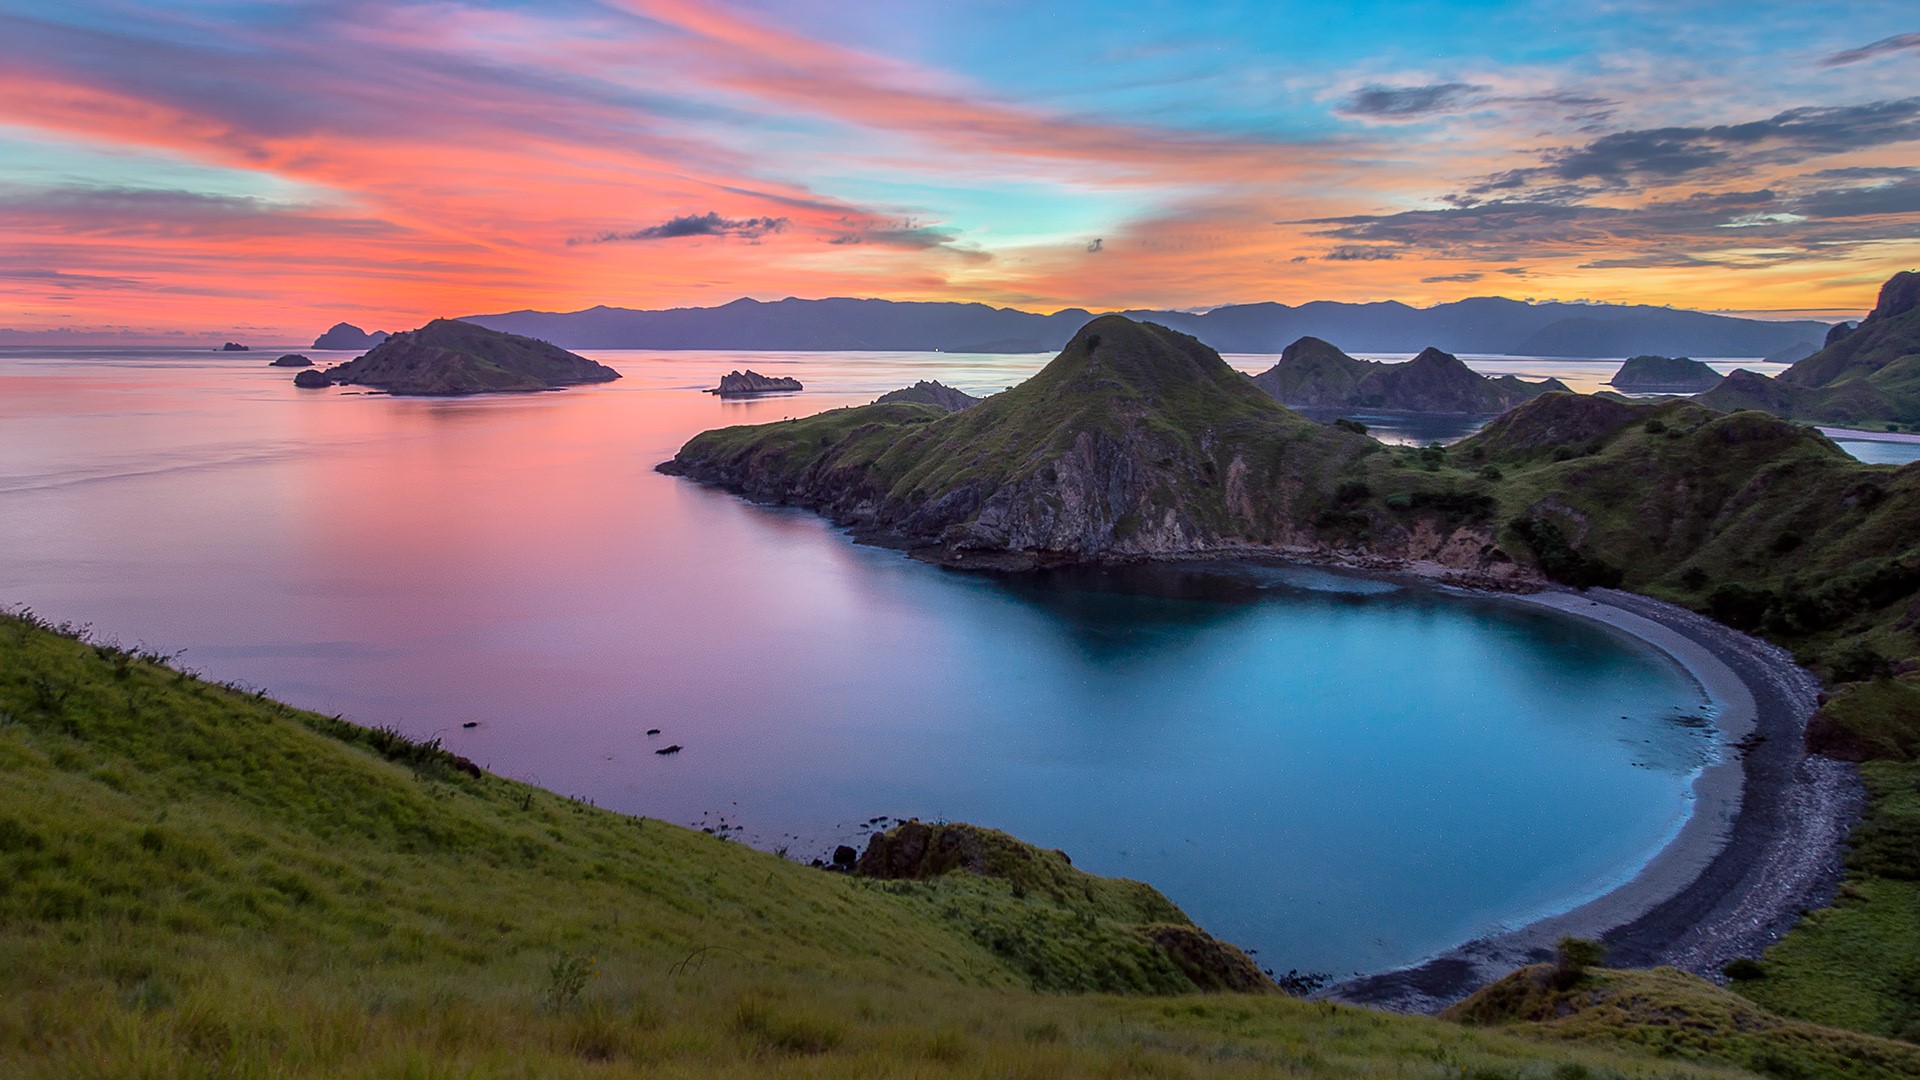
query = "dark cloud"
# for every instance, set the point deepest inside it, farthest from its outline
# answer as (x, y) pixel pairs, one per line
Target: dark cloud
(908, 235)
(1900, 196)
(1096, 245)
(1360, 253)
(1438, 278)
(1516, 271)
(1884, 47)
(1409, 102)
(61, 279)
(707, 224)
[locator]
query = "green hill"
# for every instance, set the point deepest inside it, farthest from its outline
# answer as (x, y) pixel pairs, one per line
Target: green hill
(448, 357)
(198, 881)
(1664, 375)
(1312, 374)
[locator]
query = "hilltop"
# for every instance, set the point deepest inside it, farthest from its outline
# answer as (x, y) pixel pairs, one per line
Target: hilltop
(930, 393)
(346, 336)
(1311, 374)
(447, 357)
(1867, 375)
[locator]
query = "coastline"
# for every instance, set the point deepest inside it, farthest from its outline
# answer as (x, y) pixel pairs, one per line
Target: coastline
(1762, 844)
(1842, 434)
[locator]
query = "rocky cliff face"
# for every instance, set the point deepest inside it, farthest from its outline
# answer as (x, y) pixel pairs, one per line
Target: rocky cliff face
(747, 383)
(447, 357)
(1311, 374)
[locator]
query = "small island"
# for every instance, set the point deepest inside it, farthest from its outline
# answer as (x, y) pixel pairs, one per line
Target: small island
(291, 360)
(1313, 374)
(748, 383)
(1664, 375)
(313, 379)
(233, 346)
(448, 358)
(930, 393)
(348, 337)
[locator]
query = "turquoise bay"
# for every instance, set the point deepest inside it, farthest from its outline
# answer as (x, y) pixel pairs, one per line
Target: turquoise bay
(1343, 774)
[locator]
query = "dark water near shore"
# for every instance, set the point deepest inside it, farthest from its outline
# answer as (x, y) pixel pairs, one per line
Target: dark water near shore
(1344, 774)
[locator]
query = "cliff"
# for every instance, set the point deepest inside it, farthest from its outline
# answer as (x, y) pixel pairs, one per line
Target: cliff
(1311, 374)
(447, 357)
(1664, 375)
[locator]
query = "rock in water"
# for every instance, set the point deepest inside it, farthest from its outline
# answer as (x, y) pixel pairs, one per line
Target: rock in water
(348, 337)
(931, 393)
(313, 379)
(743, 383)
(447, 357)
(292, 360)
(1664, 375)
(233, 346)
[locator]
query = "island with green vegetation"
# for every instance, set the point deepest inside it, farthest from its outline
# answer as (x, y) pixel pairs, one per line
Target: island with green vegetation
(1664, 375)
(1314, 375)
(1138, 442)
(930, 393)
(448, 358)
(1868, 376)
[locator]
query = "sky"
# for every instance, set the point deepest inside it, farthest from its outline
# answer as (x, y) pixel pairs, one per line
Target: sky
(269, 167)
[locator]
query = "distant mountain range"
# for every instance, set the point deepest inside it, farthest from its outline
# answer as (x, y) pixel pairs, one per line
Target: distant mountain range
(1481, 325)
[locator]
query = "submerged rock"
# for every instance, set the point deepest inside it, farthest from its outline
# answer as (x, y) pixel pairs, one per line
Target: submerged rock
(744, 383)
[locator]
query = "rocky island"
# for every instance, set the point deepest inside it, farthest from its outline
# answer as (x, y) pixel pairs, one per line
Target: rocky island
(930, 393)
(1664, 375)
(348, 337)
(233, 346)
(447, 357)
(1311, 374)
(1869, 374)
(291, 360)
(748, 383)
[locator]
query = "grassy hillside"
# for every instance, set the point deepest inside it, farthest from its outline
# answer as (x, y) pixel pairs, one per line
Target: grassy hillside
(1683, 1018)
(196, 881)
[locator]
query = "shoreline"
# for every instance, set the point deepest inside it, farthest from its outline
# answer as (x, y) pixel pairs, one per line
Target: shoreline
(1844, 434)
(1762, 843)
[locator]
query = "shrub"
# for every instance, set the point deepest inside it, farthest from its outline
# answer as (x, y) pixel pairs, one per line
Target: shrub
(1354, 426)
(1655, 426)
(1558, 559)
(1491, 472)
(1572, 957)
(1744, 969)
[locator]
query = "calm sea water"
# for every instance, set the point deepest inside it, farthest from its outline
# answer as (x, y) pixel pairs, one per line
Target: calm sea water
(1343, 774)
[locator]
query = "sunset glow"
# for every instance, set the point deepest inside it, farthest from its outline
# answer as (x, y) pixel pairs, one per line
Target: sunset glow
(216, 167)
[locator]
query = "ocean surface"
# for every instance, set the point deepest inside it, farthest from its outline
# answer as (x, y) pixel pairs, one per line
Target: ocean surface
(1343, 774)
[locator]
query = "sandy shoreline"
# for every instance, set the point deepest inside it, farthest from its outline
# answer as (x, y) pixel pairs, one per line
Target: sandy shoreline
(1761, 845)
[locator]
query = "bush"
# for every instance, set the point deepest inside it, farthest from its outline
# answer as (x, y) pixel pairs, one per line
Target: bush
(1354, 426)
(1491, 472)
(1558, 559)
(1744, 969)
(1858, 662)
(1572, 957)
(1655, 426)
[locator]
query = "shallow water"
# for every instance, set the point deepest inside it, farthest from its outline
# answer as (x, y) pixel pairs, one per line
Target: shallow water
(1341, 773)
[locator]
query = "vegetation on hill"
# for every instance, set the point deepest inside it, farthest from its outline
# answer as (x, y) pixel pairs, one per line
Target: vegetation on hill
(930, 393)
(198, 881)
(1867, 375)
(1312, 374)
(1664, 375)
(448, 357)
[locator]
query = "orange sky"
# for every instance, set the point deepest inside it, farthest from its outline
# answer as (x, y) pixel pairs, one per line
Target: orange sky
(263, 171)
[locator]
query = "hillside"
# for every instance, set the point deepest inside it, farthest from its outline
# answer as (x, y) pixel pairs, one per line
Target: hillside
(1312, 374)
(1867, 375)
(1479, 325)
(930, 393)
(200, 881)
(447, 357)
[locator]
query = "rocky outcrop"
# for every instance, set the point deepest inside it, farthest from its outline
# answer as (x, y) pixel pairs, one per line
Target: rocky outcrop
(233, 346)
(748, 383)
(348, 337)
(313, 379)
(1664, 375)
(291, 360)
(930, 393)
(447, 357)
(1311, 374)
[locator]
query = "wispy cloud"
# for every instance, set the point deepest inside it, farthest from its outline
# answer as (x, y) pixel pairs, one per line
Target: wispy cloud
(1886, 46)
(707, 224)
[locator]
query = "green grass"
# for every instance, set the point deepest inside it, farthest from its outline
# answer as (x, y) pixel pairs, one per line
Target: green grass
(197, 881)
(1682, 1017)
